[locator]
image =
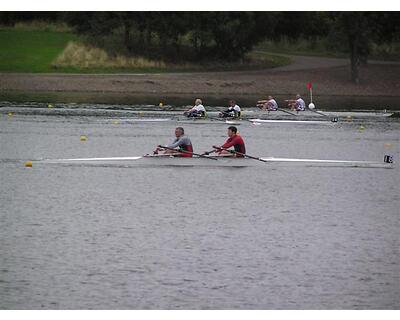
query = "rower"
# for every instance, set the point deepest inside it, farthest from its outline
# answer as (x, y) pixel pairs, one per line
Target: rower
(197, 111)
(181, 142)
(298, 104)
(233, 111)
(235, 141)
(269, 105)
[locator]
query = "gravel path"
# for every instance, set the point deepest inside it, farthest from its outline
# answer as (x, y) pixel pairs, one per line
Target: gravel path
(331, 76)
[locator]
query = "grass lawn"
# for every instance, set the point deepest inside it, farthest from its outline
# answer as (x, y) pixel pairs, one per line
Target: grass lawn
(35, 51)
(303, 47)
(31, 51)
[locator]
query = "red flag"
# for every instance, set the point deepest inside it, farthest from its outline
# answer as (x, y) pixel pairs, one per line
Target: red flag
(309, 85)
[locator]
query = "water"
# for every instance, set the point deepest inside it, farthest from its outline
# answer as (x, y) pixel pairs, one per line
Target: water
(263, 237)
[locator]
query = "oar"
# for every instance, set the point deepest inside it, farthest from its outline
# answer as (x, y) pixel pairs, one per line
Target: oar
(188, 152)
(208, 152)
(288, 112)
(243, 154)
(311, 107)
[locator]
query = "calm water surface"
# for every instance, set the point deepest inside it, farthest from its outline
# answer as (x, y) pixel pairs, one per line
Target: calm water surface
(263, 237)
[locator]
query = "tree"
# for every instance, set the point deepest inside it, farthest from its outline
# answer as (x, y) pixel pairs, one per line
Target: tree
(356, 27)
(360, 29)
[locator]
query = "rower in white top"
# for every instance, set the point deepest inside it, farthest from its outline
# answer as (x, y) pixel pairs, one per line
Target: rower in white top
(233, 111)
(268, 105)
(298, 104)
(197, 111)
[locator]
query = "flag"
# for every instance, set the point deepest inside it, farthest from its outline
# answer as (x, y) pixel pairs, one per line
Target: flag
(309, 85)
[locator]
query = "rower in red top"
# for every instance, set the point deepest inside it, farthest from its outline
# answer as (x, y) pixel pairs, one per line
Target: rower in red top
(235, 141)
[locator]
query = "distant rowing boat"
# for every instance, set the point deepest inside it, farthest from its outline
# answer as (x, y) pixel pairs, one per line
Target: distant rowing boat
(166, 160)
(292, 121)
(133, 120)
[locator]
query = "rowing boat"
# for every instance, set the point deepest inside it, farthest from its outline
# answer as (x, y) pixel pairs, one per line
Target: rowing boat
(260, 121)
(136, 120)
(210, 121)
(212, 161)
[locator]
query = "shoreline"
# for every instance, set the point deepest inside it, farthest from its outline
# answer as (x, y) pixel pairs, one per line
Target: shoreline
(328, 102)
(377, 82)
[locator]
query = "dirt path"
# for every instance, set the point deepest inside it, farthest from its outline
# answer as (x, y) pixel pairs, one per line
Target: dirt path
(309, 63)
(330, 76)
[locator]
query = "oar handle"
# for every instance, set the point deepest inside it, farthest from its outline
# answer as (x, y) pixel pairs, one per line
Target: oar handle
(241, 154)
(188, 152)
(206, 153)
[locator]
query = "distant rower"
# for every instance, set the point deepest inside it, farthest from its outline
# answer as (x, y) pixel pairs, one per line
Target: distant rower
(181, 142)
(298, 104)
(233, 111)
(235, 141)
(197, 111)
(269, 105)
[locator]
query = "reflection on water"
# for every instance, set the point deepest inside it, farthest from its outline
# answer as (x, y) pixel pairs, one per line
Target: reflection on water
(262, 237)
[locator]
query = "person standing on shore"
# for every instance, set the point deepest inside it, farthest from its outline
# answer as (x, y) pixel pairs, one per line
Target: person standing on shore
(197, 111)
(298, 104)
(268, 105)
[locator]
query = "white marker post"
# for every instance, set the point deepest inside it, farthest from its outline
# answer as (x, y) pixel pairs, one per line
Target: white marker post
(309, 87)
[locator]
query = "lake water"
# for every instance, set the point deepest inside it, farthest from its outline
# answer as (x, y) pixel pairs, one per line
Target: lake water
(263, 237)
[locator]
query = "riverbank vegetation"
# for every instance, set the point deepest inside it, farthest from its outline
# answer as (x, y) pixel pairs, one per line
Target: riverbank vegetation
(190, 41)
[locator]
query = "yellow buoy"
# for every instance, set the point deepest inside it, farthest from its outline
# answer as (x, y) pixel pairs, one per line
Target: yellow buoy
(83, 138)
(50, 106)
(115, 122)
(362, 127)
(10, 114)
(161, 104)
(28, 164)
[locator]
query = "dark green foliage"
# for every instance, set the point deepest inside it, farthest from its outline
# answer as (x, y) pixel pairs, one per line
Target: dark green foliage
(359, 30)
(223, 36)
(187, 36)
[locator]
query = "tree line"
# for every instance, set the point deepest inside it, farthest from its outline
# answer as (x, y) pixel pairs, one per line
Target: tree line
(221, 36)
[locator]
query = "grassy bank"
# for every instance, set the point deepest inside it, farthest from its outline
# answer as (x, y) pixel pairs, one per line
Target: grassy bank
(40, 49)
(31, 51)
(321, 48)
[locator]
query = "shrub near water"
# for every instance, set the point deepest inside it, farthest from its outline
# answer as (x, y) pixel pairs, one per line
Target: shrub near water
(82, 56)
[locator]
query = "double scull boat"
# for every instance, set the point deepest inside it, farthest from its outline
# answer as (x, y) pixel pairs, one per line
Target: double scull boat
(211, 161)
